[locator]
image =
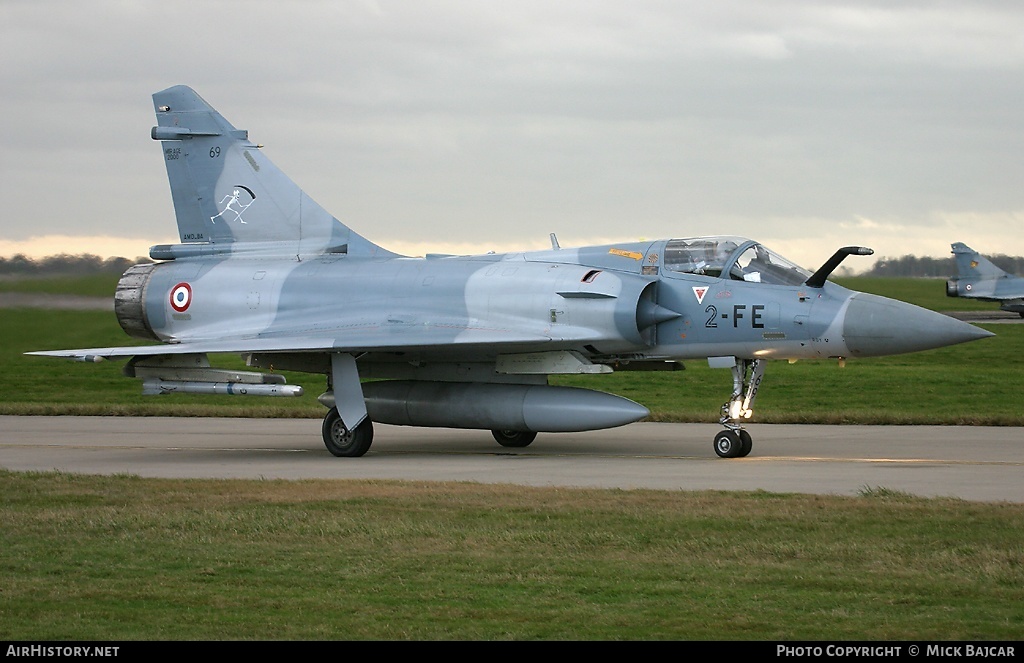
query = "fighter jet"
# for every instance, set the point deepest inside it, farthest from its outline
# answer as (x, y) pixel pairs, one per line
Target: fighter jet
(978, 278)
(460, 341)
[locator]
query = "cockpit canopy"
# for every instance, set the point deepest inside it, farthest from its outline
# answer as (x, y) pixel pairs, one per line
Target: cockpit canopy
(735, 258)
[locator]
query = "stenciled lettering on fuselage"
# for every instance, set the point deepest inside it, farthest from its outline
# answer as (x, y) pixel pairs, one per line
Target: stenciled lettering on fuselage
(741, 315)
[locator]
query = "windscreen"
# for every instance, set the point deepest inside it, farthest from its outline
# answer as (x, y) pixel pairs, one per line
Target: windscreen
(731, 257)
(757, 264)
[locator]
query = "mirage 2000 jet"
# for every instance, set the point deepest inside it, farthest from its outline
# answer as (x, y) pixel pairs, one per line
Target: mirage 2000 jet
(460, 341)
(978, 278)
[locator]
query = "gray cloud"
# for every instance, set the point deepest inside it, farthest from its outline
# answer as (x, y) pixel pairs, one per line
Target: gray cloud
(476, 122)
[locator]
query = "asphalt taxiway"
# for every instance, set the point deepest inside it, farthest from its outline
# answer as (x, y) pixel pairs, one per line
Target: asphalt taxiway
(971, 463)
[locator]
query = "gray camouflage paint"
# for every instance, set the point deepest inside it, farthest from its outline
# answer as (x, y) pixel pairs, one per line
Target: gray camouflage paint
(263, 270)
(226, 192)
(978, 278)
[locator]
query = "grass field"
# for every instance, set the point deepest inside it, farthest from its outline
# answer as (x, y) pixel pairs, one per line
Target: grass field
(123, 558)
(973, 383)
(92, 285)
(126, 558)
(927, 292)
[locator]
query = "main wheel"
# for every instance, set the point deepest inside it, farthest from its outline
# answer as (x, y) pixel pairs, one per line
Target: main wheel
(341, 441)
(514, 438)
(748, 444)
(728, 444)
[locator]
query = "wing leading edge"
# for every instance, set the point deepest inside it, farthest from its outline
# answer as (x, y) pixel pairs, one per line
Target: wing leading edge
(379, 340)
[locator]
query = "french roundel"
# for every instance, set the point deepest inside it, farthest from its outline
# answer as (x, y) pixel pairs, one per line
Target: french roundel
(181, 297)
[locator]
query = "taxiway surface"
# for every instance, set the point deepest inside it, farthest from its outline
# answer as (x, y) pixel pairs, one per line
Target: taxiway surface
(971, 463)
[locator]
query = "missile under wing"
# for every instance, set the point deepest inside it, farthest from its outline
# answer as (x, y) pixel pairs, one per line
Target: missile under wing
(978, 278)
(459, 341)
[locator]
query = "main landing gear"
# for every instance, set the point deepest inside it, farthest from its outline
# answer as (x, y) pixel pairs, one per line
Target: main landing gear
(513, 438)
(735, 442)
(343, 442)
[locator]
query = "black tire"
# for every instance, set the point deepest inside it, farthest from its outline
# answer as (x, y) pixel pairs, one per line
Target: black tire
(514, 438)
(346, 443)
(747, 444)
(728, 444)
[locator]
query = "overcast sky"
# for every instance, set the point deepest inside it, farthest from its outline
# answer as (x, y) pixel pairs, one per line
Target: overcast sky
(471, 125)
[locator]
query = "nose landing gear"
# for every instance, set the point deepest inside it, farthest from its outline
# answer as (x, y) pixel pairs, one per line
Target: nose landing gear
(735, 442)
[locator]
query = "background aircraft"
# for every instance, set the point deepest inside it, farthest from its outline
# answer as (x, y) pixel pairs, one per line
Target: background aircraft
(978, 278)
(460, 341)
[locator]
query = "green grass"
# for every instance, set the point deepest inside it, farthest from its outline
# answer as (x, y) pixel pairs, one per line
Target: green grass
(971, 383)
(92, 285)
(927, 292)
(43, 385)
(124, 558)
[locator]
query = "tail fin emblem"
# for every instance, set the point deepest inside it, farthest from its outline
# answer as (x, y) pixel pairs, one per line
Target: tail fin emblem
(235, 203)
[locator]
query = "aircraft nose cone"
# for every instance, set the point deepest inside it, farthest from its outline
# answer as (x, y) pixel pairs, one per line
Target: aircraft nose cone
(874, 326)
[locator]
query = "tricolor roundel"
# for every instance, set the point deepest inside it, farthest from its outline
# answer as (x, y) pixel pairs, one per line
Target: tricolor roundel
(181, 297)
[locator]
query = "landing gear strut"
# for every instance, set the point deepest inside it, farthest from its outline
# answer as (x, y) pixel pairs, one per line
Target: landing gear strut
(735, 442)
(348, 431)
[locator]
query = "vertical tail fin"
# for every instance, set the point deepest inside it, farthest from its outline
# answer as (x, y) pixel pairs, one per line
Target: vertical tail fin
(972, 266)
(226, 192)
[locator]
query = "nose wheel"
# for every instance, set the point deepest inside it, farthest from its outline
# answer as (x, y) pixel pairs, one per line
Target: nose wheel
(734, 441)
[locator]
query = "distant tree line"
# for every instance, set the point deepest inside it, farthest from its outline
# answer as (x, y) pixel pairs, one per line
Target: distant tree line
(65, 265)
(73, 265)
(938, 267)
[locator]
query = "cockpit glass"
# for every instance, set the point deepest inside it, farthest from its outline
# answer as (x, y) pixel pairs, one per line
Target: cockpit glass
(703, 255)
(732, 257)
(760, 265)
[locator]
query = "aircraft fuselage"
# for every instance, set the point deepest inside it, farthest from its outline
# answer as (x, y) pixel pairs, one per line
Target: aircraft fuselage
(610, 303)
(463, 341)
